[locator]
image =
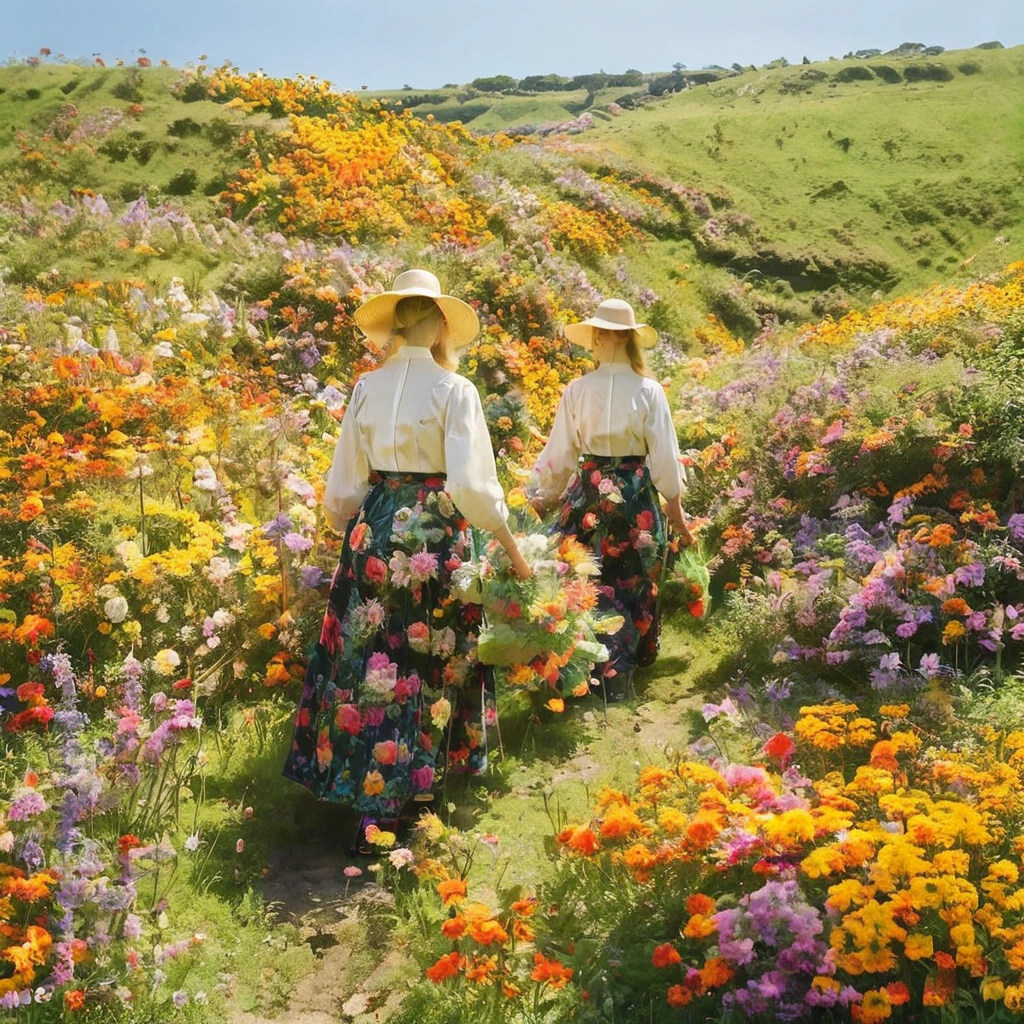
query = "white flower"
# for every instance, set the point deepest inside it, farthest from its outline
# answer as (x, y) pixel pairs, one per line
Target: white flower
(116, 609)
(401, 857)
(165, 350)
(129, 553)
(192, 843)
(205, 478)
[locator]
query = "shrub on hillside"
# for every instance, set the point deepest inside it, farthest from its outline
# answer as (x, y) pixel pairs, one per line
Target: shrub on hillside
(887, 73)
(70, 86)
(970, 67)
(183, 184)
(184, 127)
(928, 73)
(854, 73)
(992, 45)
(129, 88)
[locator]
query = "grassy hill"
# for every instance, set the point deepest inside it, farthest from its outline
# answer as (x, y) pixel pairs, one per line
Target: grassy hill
(818, 186)
(866, 182)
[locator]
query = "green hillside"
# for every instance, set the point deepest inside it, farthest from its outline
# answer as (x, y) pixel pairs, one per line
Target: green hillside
(798, 191)
(864, 183)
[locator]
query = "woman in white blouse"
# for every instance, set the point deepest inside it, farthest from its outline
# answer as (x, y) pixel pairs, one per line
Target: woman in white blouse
(612, 446)
(394, 695)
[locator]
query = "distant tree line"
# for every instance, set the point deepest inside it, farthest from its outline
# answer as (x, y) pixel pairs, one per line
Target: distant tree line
(559, 83)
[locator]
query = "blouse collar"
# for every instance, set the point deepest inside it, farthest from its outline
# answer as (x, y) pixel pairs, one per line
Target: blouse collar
(413, 352)
(614, 368)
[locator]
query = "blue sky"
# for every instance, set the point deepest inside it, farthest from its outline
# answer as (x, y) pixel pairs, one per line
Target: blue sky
(385, 45)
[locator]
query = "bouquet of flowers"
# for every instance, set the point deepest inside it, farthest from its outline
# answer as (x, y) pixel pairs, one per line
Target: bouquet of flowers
(692, 570)
(540, 634)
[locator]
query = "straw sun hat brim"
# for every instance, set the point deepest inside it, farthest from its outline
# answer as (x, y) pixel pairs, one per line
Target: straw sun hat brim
(582, 334)
(376, 316)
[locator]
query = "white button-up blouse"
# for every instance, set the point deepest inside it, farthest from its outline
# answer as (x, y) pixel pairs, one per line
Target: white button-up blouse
(412, 416)
(610, 411)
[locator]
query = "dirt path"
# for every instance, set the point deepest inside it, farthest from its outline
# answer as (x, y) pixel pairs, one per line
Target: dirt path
(360, 976)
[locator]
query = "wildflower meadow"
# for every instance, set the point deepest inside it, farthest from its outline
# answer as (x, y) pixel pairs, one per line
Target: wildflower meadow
(814, 807)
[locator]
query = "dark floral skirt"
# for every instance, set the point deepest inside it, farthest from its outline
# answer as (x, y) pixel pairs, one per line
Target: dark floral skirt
(611, 505)
(393, 695)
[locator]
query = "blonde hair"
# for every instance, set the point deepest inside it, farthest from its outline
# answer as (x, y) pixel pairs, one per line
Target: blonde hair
(637, 359)
(418, 320)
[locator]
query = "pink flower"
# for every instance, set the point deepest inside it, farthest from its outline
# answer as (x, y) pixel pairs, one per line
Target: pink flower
(373, 716)
(422, 778)
(595, 477)
(352, 871)
(423, 566)
(833, 434)
(240, 846)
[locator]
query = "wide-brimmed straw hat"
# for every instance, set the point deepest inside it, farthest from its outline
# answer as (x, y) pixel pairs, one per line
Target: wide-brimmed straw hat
(612, 315)
(376, 316)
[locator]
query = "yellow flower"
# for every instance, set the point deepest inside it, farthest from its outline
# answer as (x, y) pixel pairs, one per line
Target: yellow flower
(918, 947)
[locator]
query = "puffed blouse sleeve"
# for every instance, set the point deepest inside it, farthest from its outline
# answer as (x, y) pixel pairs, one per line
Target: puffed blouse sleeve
(348, 479)
(472, 476)
(557, 462)
(662, 444)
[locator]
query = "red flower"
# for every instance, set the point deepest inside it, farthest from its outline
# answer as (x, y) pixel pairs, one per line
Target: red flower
(330, 634)
(376, 570)
(665, 955)
(645, 519)
(696, 609)
(128, 842)
(355, 539)
(182, 684)
(780, 747)
(348, 719)
(589, 521)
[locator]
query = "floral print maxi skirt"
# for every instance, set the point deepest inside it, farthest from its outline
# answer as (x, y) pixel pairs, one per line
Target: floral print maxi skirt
(612, 507)
(393, 695)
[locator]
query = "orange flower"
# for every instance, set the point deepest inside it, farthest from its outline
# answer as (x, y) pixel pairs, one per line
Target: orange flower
(665, 955)
(620, 821)
(485, 932)
(454, 928)
(75, 1000)
(452, 890)
(446, 967)
(699, 927)
(716, 972)
(698, 903)
(580, 839)
(679, 996)
(550, 972)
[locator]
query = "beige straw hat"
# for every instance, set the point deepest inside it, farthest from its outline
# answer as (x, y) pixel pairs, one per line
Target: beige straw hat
(612, 315)
(376, 316)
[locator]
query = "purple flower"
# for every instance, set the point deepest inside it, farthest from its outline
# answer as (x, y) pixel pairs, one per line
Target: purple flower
(1015, 525)
(26, 806)
(297, 543)
(312, 576)
(929, 665)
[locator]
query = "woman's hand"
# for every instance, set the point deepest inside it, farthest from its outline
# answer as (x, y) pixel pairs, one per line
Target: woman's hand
(678, 521)
(522, 570)
(508, 542)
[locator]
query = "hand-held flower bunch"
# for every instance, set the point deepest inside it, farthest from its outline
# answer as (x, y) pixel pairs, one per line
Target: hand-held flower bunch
(692, 569)
(540, 633)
